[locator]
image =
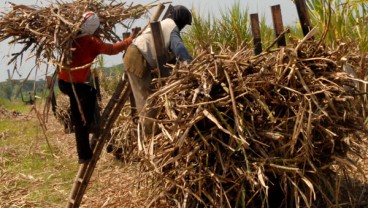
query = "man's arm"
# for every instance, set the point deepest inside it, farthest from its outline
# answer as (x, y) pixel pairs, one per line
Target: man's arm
(115, 48)
(177, 46)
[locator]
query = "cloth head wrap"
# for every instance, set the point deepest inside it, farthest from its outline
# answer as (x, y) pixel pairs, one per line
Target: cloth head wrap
(91, 23)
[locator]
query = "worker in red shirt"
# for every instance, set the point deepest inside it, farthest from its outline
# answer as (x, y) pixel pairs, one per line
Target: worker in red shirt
(73, 79)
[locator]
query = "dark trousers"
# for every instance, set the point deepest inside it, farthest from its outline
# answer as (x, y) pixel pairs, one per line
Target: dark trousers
(87, 99)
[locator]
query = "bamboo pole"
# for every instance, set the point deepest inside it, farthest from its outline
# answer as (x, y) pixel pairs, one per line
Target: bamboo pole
(169, 8)
(156, 16)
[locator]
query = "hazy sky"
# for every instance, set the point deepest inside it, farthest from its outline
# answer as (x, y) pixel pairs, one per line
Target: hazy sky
(213, 7)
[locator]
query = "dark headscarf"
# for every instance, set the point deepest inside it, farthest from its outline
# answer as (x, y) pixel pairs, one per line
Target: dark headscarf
(181, 16)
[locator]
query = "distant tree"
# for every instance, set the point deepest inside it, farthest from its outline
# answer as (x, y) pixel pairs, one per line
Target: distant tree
(7, 90)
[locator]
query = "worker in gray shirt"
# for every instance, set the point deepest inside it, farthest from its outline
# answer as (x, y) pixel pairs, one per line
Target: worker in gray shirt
(140, 58)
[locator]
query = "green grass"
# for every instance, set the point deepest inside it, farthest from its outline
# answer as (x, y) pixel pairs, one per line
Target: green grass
(342, 21)
(17, 105)
(51, 173)
(43, 179)
(17, 131)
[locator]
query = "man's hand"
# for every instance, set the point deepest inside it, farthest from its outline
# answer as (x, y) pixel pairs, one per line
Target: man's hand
(186, 63)
(135, 32)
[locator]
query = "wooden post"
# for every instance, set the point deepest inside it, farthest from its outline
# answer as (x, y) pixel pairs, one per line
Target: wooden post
(9, 77)
(158, 39)
(133, 111)
(278, 24)
(257, 40)
(302, 9)
(157, 35)
(167, 11)
(156, 16)
(159, 46)
(126, 35)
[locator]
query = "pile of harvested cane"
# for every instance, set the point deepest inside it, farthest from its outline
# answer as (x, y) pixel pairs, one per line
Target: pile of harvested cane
(48, 32)
(239, 130)
(63, 113)
(5, 113)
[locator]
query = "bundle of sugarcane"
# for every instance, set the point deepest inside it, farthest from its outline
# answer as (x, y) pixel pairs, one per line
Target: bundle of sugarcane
(239, 130)
(63, 113)
(123, 144)
(4, 113)
(49, 31)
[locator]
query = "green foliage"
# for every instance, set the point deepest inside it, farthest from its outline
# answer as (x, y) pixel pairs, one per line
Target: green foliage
(231, 28)
(14, 89)
(267, 33)
(296, 32)
(199, 34)
(341, 20)
(6, 90)
(109, 77)
(16, 105)
(229, 31)
(114, 70)
(338, 20)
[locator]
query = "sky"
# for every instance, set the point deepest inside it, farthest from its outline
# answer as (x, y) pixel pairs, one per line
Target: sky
(204, 7)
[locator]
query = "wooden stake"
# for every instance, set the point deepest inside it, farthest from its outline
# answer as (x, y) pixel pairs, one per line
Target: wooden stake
(257, 40)
(278, 24)
(169, 8)
(156, 16)
(302, 9)
(159, 45)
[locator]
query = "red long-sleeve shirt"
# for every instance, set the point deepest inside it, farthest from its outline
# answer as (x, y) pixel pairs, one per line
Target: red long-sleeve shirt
(87, 48)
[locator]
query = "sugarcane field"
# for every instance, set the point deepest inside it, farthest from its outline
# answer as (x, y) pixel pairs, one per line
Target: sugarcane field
(215, 110)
